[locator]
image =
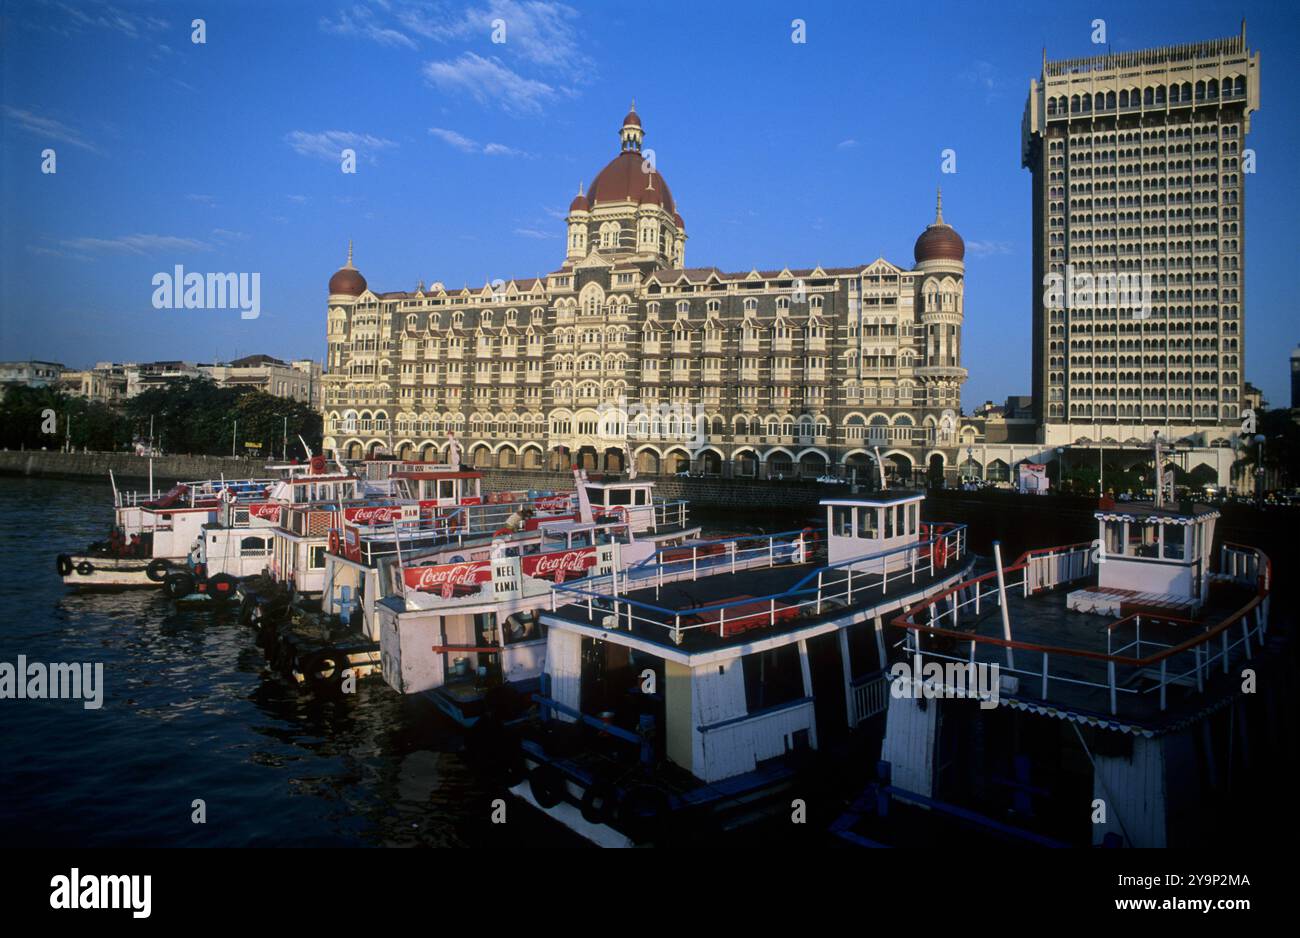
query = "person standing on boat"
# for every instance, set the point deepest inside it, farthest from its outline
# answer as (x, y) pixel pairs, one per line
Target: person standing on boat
(515, 523)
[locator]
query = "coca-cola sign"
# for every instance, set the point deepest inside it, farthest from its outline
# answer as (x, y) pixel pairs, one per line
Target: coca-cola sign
(269, 511)
(561, 565)
(448, 580)
(374, 514)
(551, 503)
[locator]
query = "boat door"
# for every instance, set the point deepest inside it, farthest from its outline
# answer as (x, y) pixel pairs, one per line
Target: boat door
(826, 664)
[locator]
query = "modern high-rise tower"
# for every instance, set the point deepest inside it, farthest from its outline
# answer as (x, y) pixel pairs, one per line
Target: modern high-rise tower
(1139, 163)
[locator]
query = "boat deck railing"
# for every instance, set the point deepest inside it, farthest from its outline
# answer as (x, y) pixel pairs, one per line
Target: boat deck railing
(1132, 665)
(246, 490)
(821, 591)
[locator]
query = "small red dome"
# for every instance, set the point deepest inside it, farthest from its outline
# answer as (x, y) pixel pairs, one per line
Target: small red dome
(632, 119)
(939, 242)
(347, 279)
(579, 203)
(677, 220)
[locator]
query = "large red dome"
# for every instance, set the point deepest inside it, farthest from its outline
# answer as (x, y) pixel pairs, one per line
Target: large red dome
(623, 181)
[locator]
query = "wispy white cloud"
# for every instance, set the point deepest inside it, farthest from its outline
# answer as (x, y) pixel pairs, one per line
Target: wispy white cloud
(466, 145)
(536, 233)
(94, 15)
(208, 200)
(488, 81)
(141, 244)
(48, 128)
(846, 144)
(360, 22)
(225, 234)
(538, 32)
(329, 144)
(299, 199)
(986, 248)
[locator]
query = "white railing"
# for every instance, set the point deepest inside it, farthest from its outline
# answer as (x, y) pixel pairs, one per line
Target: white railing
(934, 630)
(870, 696)
(823, 590)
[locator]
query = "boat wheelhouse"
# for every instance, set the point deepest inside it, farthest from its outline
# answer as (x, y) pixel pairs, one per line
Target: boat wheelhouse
(1093, 677)
(701, 678)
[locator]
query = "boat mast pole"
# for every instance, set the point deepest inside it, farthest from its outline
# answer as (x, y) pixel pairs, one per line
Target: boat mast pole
(1002, 603)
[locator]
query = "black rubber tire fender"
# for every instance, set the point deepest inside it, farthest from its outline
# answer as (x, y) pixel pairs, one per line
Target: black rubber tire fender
(157, 569)
(246, 610)
(63, 563)
(546, 782)
(644, 811)
(599, 802)
(85, 568)
(222, 587)
(178, 585)
(316, 663)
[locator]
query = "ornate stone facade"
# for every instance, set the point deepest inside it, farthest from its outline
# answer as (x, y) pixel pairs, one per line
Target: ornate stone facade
(626, 352)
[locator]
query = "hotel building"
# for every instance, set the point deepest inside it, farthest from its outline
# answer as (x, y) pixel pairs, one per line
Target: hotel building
(1138, 162)
(626, 352)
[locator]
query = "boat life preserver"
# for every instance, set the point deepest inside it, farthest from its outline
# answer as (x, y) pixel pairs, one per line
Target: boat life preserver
(941, 553)
(333, 547)
(157, 569)
(323, 669)
(546, 782)
(178, 585)
(317, 465)
(85, 568)
(599, 802)
(63, 563)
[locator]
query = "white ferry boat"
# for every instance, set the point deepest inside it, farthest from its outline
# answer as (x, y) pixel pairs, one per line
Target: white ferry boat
(152, 532)
(474, 592)
(1122, 705)
(694, 685)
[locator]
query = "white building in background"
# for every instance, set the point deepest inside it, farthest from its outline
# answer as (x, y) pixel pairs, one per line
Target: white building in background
(298, 380)
(30, 374)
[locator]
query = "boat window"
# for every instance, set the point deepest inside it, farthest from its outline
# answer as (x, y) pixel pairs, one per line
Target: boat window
(1175, 548)
(620, 497)
(772, 677)
(1114, 537)
(642, 496)
(889, 521)
(867, 522)
(446, 488)
(913, 518)
(842, 520)
(316, 561)
(252, 543)
(1143, 539)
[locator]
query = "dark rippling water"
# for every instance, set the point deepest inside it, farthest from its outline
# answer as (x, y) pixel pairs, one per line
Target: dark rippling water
(191, 712)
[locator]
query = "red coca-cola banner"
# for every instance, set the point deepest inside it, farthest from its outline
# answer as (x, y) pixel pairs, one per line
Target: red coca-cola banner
(551, 503)
(269, 511)
(373, 514)
(471, 500)
(449, 580)
(504, 498)
(561, 565)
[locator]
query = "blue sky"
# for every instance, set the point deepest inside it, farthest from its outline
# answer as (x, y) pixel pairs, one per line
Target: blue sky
(222, 156)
